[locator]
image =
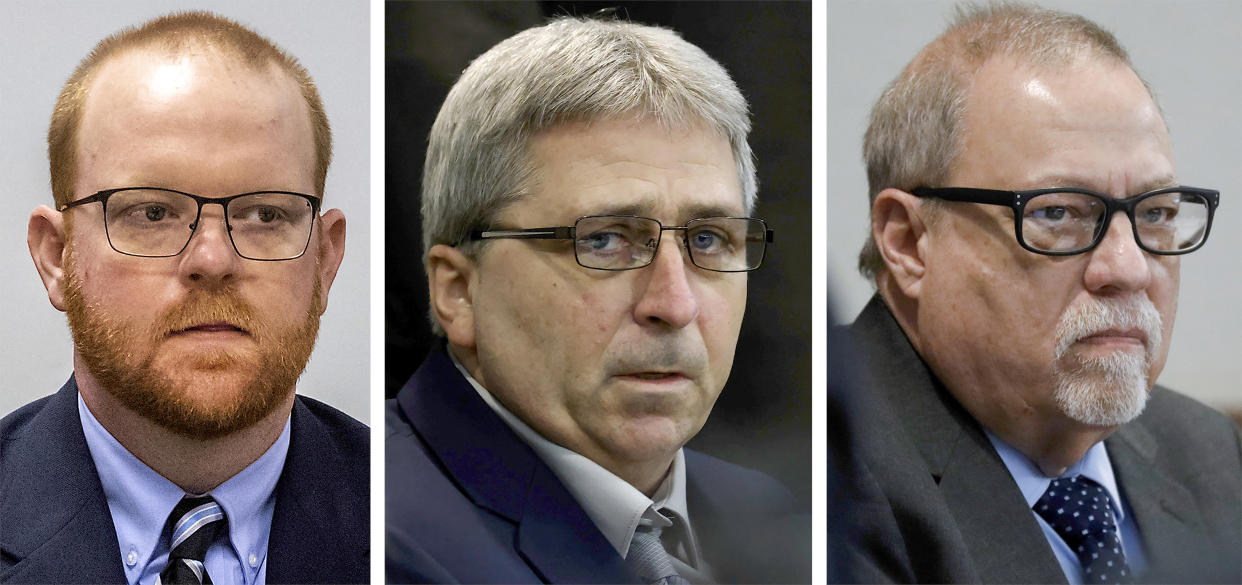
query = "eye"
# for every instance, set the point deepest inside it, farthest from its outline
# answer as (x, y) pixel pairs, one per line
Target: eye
(1159, 214)
(156, 212)
(148, 213)
(706, 240)
(260, 214)
(1051, 209)
(1050, 213)
(603, 241)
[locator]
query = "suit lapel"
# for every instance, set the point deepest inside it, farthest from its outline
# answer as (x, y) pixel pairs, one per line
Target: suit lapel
(1003, 538)
(1168, 518)
(502, 474)
(314, 523)
(57, 523)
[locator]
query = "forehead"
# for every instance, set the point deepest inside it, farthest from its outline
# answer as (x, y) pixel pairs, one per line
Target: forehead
(633, 167)
(1090, 121)
(150, 112)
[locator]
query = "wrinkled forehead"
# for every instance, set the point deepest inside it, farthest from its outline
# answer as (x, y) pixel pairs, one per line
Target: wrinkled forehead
(635, 166)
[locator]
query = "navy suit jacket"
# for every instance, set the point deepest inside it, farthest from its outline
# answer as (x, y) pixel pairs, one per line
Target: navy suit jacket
(55, 526)
(470, 502)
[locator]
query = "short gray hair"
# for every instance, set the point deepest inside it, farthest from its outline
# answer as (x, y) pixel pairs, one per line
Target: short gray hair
(915, 134)
(569, 70)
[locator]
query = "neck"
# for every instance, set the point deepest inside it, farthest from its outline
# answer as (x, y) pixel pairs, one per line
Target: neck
(196, 466)
(645, 475)
(1053, 446)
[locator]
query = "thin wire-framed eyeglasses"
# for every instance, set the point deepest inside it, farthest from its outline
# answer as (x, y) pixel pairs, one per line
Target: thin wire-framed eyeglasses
(626, 242)
(1065, 220)
(152, 222)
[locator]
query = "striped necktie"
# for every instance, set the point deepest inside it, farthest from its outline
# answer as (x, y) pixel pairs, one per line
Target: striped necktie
(198, 521)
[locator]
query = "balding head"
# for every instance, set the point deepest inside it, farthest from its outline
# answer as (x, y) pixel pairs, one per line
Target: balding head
(199, 35)
(916, 130)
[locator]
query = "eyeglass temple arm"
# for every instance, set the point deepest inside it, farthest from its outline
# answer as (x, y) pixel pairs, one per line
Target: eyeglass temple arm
(768, 236)
(548, 233)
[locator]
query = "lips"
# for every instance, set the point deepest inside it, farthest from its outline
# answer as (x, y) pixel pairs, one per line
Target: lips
(654, 375)
(653, 378)
(211, 327)
(1116, 335)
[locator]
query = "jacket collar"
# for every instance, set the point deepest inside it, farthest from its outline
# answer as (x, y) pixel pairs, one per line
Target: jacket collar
(500, 473)
(972, 479)
(51, 501)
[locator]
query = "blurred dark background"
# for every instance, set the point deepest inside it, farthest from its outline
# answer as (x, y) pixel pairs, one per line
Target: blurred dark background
(763, 417)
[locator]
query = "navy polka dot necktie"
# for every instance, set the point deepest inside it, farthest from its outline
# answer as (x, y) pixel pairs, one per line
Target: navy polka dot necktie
(1081, 513)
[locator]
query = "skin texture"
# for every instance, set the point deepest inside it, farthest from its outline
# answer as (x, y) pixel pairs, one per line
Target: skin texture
(204, 123)
(563, 346)
(982, 311)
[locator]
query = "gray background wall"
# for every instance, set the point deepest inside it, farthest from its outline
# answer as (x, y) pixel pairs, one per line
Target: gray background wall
(40, 44)
(1189, 51)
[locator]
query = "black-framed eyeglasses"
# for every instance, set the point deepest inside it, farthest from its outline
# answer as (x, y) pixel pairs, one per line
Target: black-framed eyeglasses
(626, 242)
(153, 223)
(1065, 220)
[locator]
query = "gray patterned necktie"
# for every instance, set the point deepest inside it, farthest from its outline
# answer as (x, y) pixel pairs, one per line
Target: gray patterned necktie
(648, 559)
(198, 521)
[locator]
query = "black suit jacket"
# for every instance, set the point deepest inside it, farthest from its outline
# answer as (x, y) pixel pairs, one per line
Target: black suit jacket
(469, 502)
(55, 526)
(939, 506)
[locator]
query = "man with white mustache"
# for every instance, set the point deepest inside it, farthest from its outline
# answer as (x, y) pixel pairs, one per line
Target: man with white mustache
(586, 239)
(1026, 233)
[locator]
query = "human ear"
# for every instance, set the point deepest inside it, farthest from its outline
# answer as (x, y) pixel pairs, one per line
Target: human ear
(331, 250)
(898, 230)
(449, 272)
(45, 236)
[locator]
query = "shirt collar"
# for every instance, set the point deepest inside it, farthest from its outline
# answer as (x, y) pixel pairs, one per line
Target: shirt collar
(1095, 465)
(616, 507)
(140, 499)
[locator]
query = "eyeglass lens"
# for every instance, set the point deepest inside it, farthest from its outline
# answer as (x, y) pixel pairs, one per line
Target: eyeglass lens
(618, 243)
(263, 226)
(1064, 222)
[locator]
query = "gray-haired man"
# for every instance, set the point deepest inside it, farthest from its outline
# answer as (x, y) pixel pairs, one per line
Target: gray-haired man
(1027, 227)
(586, 208)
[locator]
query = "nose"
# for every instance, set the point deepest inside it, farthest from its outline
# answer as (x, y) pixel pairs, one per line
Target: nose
(1118, 265)
(667, 298)
(209, 260)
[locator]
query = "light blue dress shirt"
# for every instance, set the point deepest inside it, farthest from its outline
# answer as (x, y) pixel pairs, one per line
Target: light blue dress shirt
(140, 501)
(1095, 465)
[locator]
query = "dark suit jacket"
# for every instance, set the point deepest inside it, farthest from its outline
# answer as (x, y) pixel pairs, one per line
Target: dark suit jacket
(55, 526)
(470, 502)
(940, 506)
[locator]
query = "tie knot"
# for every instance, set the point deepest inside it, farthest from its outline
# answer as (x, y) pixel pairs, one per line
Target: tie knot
(196, 521)
(1080, 511)
(649, 560)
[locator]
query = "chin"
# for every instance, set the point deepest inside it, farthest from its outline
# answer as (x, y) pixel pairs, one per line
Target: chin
(1105, 392)
(652, 437)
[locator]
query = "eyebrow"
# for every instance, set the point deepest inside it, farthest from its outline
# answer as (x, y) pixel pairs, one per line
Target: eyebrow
(646, 208)
(1080, 183)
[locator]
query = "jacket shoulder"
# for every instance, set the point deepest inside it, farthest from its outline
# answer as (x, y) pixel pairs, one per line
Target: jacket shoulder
(16, 423)
(346, 433)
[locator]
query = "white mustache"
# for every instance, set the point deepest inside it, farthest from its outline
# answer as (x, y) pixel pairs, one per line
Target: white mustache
(1103, 314)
